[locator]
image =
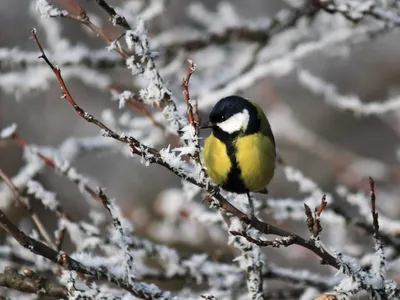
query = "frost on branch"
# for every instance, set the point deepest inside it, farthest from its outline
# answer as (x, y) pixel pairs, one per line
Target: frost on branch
(8, 131)
(48, 11)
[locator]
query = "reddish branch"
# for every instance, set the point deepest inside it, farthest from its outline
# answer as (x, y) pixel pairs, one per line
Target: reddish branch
(153, 156)
(185, 85)
(193, 115)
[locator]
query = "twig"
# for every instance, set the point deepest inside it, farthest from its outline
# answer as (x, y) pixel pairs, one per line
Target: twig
(193, 115)
(185, 85)
(39, 225)
(116, 19)
(375, 223)
(30, 283)
(83, 18)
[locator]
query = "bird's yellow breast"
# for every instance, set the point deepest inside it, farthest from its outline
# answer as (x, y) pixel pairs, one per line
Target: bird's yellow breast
(216, 160)
(253, 159)
(255, 155)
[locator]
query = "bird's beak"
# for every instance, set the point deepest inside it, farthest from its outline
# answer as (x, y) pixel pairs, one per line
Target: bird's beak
(207, 124)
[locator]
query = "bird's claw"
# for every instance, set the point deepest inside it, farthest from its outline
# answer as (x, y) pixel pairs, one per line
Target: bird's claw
(213, 192)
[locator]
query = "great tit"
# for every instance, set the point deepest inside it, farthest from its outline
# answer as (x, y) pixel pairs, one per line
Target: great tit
(240, 152)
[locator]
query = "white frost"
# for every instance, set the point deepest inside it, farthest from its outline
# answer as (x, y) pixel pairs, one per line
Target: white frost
(8, 131)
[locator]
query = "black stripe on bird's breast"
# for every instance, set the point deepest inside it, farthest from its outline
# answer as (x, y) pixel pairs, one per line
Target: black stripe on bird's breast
(234, 182)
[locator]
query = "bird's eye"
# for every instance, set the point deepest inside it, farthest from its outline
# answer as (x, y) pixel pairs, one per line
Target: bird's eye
(222, 117)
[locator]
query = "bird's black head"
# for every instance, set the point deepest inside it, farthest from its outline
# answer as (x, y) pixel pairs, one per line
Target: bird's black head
(232, 116)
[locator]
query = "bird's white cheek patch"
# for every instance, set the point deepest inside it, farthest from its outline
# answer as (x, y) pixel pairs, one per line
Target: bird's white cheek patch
(236, 122)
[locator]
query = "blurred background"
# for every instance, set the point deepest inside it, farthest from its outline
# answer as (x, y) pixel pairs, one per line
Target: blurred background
(331, 144)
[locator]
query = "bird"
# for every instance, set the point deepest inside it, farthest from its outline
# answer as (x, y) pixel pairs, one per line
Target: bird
(240, 152)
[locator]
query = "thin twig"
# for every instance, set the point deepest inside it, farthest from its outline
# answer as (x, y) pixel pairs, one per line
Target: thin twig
(83, 18)
(39, 225)
(193, 115)
(185, 85)
(375, 223)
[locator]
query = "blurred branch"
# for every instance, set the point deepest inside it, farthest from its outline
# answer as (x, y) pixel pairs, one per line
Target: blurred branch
(351, 102)
(301, 277)
(355, 12)
(35, 218)
(251, 34)
(31, 283)
(80, 55)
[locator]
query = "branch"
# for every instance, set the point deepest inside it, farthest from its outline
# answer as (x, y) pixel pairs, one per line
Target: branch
(60, 258)
(31, 283)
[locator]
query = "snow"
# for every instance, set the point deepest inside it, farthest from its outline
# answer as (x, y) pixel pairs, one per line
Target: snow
(47, 11)
(48, 198)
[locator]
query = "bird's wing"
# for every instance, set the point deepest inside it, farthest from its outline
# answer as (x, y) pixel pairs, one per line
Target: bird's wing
(265, 127)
